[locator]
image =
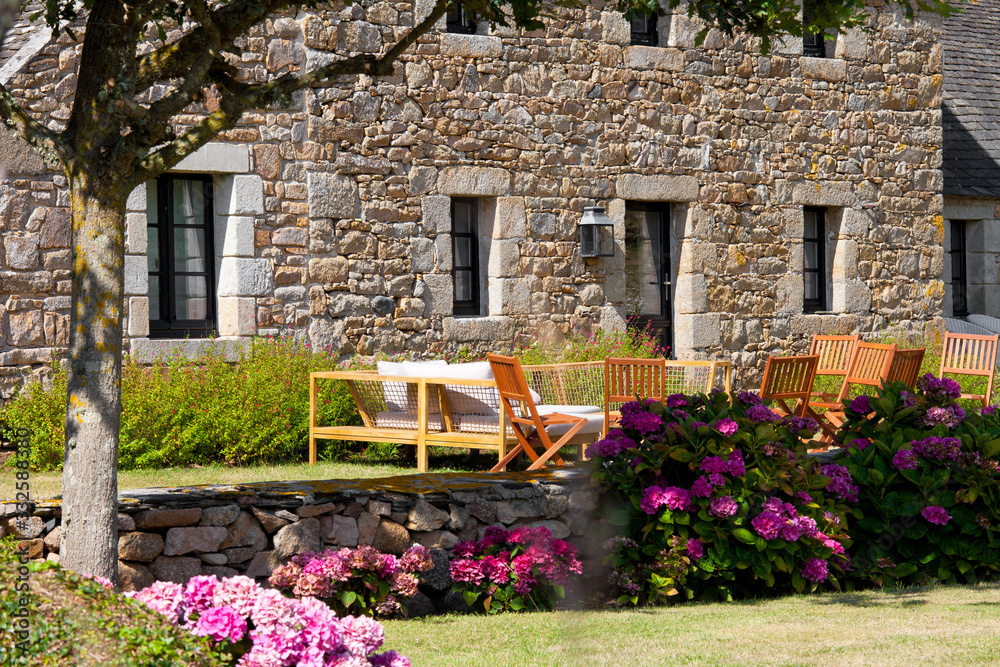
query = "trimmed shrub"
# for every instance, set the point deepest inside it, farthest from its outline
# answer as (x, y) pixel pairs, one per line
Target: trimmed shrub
(715, 498)
(929, 487)
(361, 581)
(523, 569)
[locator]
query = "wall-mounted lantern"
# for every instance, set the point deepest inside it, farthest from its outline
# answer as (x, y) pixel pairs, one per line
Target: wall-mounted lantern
(597, 233)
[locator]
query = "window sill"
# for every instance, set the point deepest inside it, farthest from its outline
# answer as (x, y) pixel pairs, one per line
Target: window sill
(151, 350)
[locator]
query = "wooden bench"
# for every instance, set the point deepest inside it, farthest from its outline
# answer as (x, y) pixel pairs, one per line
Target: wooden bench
(461, 413)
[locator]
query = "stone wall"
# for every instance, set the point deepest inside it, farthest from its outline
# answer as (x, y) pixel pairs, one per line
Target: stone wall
(175, 534)
(341, 233)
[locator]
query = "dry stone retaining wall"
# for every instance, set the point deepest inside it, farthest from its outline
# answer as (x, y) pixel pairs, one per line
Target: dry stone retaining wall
(334, 221)
(175, 534)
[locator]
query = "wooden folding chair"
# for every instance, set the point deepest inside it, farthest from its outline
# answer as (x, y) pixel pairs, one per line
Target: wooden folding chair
(835, 355)
(627, 380)
(869, 368)
(966, 354)
(529, 428)
(789, 378)
(906, 366)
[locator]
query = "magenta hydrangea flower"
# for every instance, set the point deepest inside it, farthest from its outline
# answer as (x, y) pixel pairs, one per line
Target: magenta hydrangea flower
(655, 497)
(727, 427)
(936, 514)
(938, 387)
(749, 398)
(942, 449)
(676, 401)
(767, 524)
(840, 482)
(735, 465)
(951, 416)
(701, 488)
(722, 507)
(695, 549)
(645, 423)
(220, 623)
(860, 443)
(712, 464)
(611, 446)
(761, 413)
(905, 459)
(717, 479)
(804, 497)
(466, 570)
(799, 424)
(815, 570)
(861, 404)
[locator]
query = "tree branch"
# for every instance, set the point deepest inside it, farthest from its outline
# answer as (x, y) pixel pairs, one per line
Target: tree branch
(48, 144)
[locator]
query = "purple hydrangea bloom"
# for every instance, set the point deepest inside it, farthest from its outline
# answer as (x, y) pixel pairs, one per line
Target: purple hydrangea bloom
(644, 422)
(860, 443)
(797, 424)
(950, 416)
(676, 401)
(761, 413)
(804, 497)
(701, 488)
(905, 459)
(774, 505)
(815, 570)
(861, 404)
(749, 398)
(695, 549)
(938, 448)
(673, 497)
(716, 479)
(614, 444)
(936, 514)
(735, 465)
(680, 414)
(791, 531)
(726, 427)
(714, 464)
(768, 524)
(938, 387)
(840, 482)
(909, 400)
(722, 507)
(697, 425)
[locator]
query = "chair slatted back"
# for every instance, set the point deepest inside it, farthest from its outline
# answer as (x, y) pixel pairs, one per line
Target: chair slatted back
(626, 379)
(834, 352)
(789, 378)
(511, 385)
(870, 366)
(968, 354)
(906, 366)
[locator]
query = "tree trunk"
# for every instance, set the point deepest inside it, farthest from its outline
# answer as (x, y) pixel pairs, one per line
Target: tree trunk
(89, 541)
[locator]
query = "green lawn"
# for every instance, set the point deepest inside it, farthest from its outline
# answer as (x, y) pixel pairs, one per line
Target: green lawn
(49, 484)
(927, 626)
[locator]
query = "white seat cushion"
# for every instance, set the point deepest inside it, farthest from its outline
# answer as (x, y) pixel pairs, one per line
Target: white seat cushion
(595, 424)
(568, 409)
(397, 397)
(406, 421)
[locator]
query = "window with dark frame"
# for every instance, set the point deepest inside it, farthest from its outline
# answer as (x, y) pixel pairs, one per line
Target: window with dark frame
(181, 258)
(460, 20)
(644, 30)
(959, 275)
(465, 255)
(814, 260)
(813, 44)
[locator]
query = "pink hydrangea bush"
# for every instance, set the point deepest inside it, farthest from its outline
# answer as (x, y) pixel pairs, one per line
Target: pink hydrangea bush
(263, 628)
(927, 472)
(514, 570)
(355, 581)
(715, 497)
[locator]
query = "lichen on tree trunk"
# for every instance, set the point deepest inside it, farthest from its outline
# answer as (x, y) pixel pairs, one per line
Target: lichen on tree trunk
(89, 541)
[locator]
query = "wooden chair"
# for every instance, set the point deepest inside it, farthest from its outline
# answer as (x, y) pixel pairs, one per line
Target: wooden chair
(869, 368)
(626, 380)
(906, 366)
(835, 354)
(789, 378)
(966, 354)
(529, 427)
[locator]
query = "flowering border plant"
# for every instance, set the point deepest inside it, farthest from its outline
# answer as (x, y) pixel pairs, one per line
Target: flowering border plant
(514, 570)
(355, 581)
(263, 628)
(714, 498)
(929, 486)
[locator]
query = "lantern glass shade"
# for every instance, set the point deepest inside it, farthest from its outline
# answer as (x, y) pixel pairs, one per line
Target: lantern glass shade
(597, 233)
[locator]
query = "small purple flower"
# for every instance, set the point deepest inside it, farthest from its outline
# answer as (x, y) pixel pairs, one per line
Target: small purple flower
(695, 549)
(735, 465)
(614, 444)
(697, 425)
(701, 488)
(938, 448)
(726, 427)
(791, 531)
(767, 524)
(761, 413)
(936, 514)
(799, 424)
(645, 423)
(749, 398)
(989, 409)
(938, 387)
(676, 401)
(815, 570)
(722, 507)
(950, 416)
(716, 479)
(714, 464)
(804, 497)
(861, 404)
(909, 400)
(840, 482)
(905, 459)
(680, 414)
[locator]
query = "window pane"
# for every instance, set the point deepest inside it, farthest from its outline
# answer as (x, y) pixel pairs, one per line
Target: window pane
(189, 202)
(810, 255)
(189, 250)
(463, 218)
(153, 249)
(463, 252)
(810, 225)
(191, 299)
(643, 263)
(154, 298)
(811, 287)
(463, 285)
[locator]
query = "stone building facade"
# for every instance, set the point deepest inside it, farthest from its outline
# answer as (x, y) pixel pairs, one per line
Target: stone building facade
(756, 199)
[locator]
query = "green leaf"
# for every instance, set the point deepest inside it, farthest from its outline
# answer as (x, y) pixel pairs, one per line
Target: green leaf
(876, 477)
(619, 517)
(682, 455)
(470, 597)
(905, 570)
(991, 448)
(744, 536)
(347, 598)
